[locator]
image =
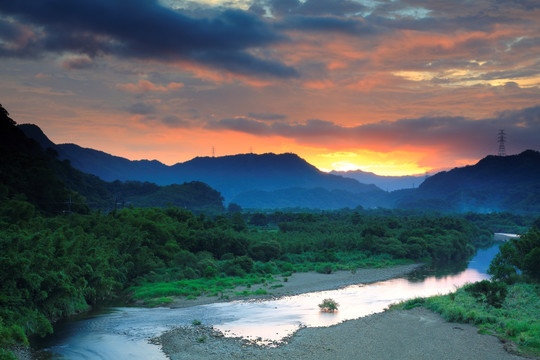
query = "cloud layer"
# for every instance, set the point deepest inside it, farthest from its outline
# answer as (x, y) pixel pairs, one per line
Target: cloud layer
(139, 29)
(427, 83)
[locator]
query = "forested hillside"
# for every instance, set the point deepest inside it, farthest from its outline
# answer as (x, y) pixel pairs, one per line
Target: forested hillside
(495, 184)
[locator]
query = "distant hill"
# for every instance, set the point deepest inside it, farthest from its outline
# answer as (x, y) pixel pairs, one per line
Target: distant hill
(317, 198)
(107, 167)
(387, 183)
(231, 175)
(235, 174)
(494, 184)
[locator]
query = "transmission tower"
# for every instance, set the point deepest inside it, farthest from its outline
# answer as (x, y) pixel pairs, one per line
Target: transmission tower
(501, 139)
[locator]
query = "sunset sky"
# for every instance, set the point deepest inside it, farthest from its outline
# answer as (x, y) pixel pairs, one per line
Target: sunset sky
(392, 87)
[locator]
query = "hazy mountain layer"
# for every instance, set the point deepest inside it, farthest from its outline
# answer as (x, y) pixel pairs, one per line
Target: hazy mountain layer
(494, 184)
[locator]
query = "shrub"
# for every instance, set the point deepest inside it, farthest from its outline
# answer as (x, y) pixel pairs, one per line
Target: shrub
(265, 250)
(324, 269)
(329, 305)
(416, 302)
(490, 292)
(245, 262)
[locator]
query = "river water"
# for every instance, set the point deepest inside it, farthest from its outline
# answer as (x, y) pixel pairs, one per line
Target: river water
(123, 332)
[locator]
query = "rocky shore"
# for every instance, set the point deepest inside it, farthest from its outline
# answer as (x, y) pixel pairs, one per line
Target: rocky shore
(401, 334)
(398, 334)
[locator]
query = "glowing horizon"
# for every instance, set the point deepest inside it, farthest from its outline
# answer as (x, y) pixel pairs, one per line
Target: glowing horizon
(345, 84)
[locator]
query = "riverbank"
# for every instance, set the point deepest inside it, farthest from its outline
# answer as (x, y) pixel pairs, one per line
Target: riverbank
(400, 334)
(299, 283)
(397, 334)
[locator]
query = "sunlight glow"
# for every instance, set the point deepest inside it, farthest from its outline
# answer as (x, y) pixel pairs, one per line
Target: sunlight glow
(398, 163)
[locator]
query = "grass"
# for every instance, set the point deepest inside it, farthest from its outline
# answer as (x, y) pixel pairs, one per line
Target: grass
(153, 294)
(161, 287)
(517, 320)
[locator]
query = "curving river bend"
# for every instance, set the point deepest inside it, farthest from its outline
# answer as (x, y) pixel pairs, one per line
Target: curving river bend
(123, 333)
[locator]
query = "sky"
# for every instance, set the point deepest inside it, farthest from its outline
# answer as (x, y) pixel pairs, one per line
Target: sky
(394, 87)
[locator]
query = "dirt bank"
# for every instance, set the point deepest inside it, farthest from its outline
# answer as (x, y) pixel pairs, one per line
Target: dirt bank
(413, 334)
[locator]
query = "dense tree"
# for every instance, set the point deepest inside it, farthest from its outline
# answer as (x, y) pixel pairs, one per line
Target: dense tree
(518, 256)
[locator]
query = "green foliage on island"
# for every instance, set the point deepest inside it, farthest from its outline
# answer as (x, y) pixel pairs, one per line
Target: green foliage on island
(328, 305)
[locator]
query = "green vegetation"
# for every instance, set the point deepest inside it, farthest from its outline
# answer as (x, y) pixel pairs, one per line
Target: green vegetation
(508, 305)
(59, 265)
(329, 305)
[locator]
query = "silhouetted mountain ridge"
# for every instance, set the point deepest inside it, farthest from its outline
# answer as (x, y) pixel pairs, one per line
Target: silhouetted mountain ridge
(491, 171)
(495, 183)
(231, 175)
(30, 170)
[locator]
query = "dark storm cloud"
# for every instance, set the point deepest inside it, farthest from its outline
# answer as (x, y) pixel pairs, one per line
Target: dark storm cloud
(353, 26)
(78, 63)
(142, 109)
(142, 29)
(314, 7)
(241, 124)
(460, 133)
(267, 116)
(319, 15)
(175, 122)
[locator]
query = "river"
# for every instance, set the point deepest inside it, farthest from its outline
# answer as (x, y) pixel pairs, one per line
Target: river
(123, 332)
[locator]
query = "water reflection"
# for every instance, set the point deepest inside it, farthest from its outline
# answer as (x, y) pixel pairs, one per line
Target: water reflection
(122, 333)
(274, 320)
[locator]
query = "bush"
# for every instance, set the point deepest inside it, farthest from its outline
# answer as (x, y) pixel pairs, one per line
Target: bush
(245, 262)
(329, 305)
(324, 269)
(265, 250)
(490, 292)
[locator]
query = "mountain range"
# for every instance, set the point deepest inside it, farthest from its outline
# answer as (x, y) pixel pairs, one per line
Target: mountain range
(271, 181)
(388, 183)
(231, 175)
